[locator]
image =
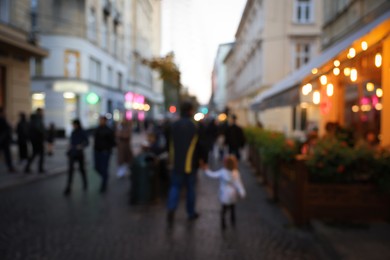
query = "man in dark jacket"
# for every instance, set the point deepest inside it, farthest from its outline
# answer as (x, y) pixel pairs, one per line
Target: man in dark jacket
(234, 138)
(186, 152)
(104, 141)
(78, 141)
(5, 140)
(22, 131)
(37, 138)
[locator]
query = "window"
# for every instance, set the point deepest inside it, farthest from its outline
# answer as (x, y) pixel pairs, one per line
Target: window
(303, 11)
(119, 80)
(34, 11)
(114, 42)
(94, 70)
(109, 76)
(92, 27)
(36, 67)
(302, 54)
(299, 115)
(4, 11)
(104, 38)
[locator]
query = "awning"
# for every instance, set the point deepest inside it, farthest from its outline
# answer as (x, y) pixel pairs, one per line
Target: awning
(294, 79)
(14, 41)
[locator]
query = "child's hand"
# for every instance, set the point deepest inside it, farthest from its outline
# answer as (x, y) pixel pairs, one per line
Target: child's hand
(203, 165)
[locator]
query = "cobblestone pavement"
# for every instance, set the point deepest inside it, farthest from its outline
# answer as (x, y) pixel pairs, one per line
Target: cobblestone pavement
(38, 222)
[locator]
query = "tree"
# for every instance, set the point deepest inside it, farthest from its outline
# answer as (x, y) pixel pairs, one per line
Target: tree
(170, 74)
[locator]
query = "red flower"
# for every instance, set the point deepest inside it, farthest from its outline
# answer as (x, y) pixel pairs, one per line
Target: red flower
(341, 169)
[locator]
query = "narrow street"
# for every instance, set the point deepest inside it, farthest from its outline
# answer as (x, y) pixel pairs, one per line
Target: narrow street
(38, 222)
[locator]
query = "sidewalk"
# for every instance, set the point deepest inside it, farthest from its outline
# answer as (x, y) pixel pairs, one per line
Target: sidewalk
(54, 165)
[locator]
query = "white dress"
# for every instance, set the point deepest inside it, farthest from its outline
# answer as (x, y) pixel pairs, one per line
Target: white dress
(230, 185)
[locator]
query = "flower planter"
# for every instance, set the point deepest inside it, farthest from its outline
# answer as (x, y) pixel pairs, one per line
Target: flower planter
(304, 200)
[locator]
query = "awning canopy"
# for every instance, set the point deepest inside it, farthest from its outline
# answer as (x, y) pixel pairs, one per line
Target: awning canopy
(291, 82)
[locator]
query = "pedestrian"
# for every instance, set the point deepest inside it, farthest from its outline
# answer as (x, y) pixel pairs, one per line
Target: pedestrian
(234, 138)
(123, 141)
(104, 141)
(37, 139)
(211, 133)
(22, 132)
(77, 142)
(186, 153)
(230, 188)
(5, 140)
(221, 145)
(50, 137)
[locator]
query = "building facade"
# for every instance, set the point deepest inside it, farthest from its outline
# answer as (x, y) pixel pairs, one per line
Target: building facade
(219, 96)
(348, 83)
(17, 46)
(274, 38)
(92, 69)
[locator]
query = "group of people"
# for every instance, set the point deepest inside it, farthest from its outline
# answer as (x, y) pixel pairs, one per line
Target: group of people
(30, 133)
(333, 131)
(189, 148)
(104, 142)
(187, 142)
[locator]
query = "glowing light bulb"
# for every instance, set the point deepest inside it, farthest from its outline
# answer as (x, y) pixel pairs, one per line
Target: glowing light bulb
(306, 89)
(351, 53)
(336, 63)
(314, 71)
(329, 90)
(378, 60)
(370, 86)
(316, 97)
(379, 92)
(347, 72)
(354, 75)
(364, 45)
(323, 80)
(378, 106)
(336, 71)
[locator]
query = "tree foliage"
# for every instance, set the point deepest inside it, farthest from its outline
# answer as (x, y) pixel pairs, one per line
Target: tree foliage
(166, 67)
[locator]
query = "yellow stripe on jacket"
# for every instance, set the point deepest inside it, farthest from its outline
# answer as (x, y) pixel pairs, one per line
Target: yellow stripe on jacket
(190, 154)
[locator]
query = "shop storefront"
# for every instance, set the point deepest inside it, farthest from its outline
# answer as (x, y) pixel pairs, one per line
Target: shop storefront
(347, 84)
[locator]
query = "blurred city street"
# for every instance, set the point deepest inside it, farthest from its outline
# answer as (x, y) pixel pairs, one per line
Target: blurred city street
(38, 222)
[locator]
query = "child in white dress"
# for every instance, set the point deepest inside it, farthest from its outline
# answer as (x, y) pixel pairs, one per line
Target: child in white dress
(230, 188)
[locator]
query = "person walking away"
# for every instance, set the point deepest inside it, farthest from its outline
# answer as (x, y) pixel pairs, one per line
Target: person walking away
(222, 127)
(104, 141)
(77, 142)
(5, 140)
(22, 129)
(123, 141)
(186, 152)
(37, 139)
(234, 137)
(50, 137)
(211, 133)
(230, 188)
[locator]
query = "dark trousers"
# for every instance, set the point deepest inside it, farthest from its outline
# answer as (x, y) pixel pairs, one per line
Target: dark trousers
(38, 150)
(80, 161)
(235, 151)
(177, 181)
(224, 210)
(23, 150)
(6, 149)
(102, 159)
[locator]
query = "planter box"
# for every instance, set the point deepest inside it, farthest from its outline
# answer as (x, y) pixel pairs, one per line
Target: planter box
(304, 200)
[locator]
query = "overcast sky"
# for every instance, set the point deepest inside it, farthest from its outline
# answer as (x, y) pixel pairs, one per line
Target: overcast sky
(193, 29)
